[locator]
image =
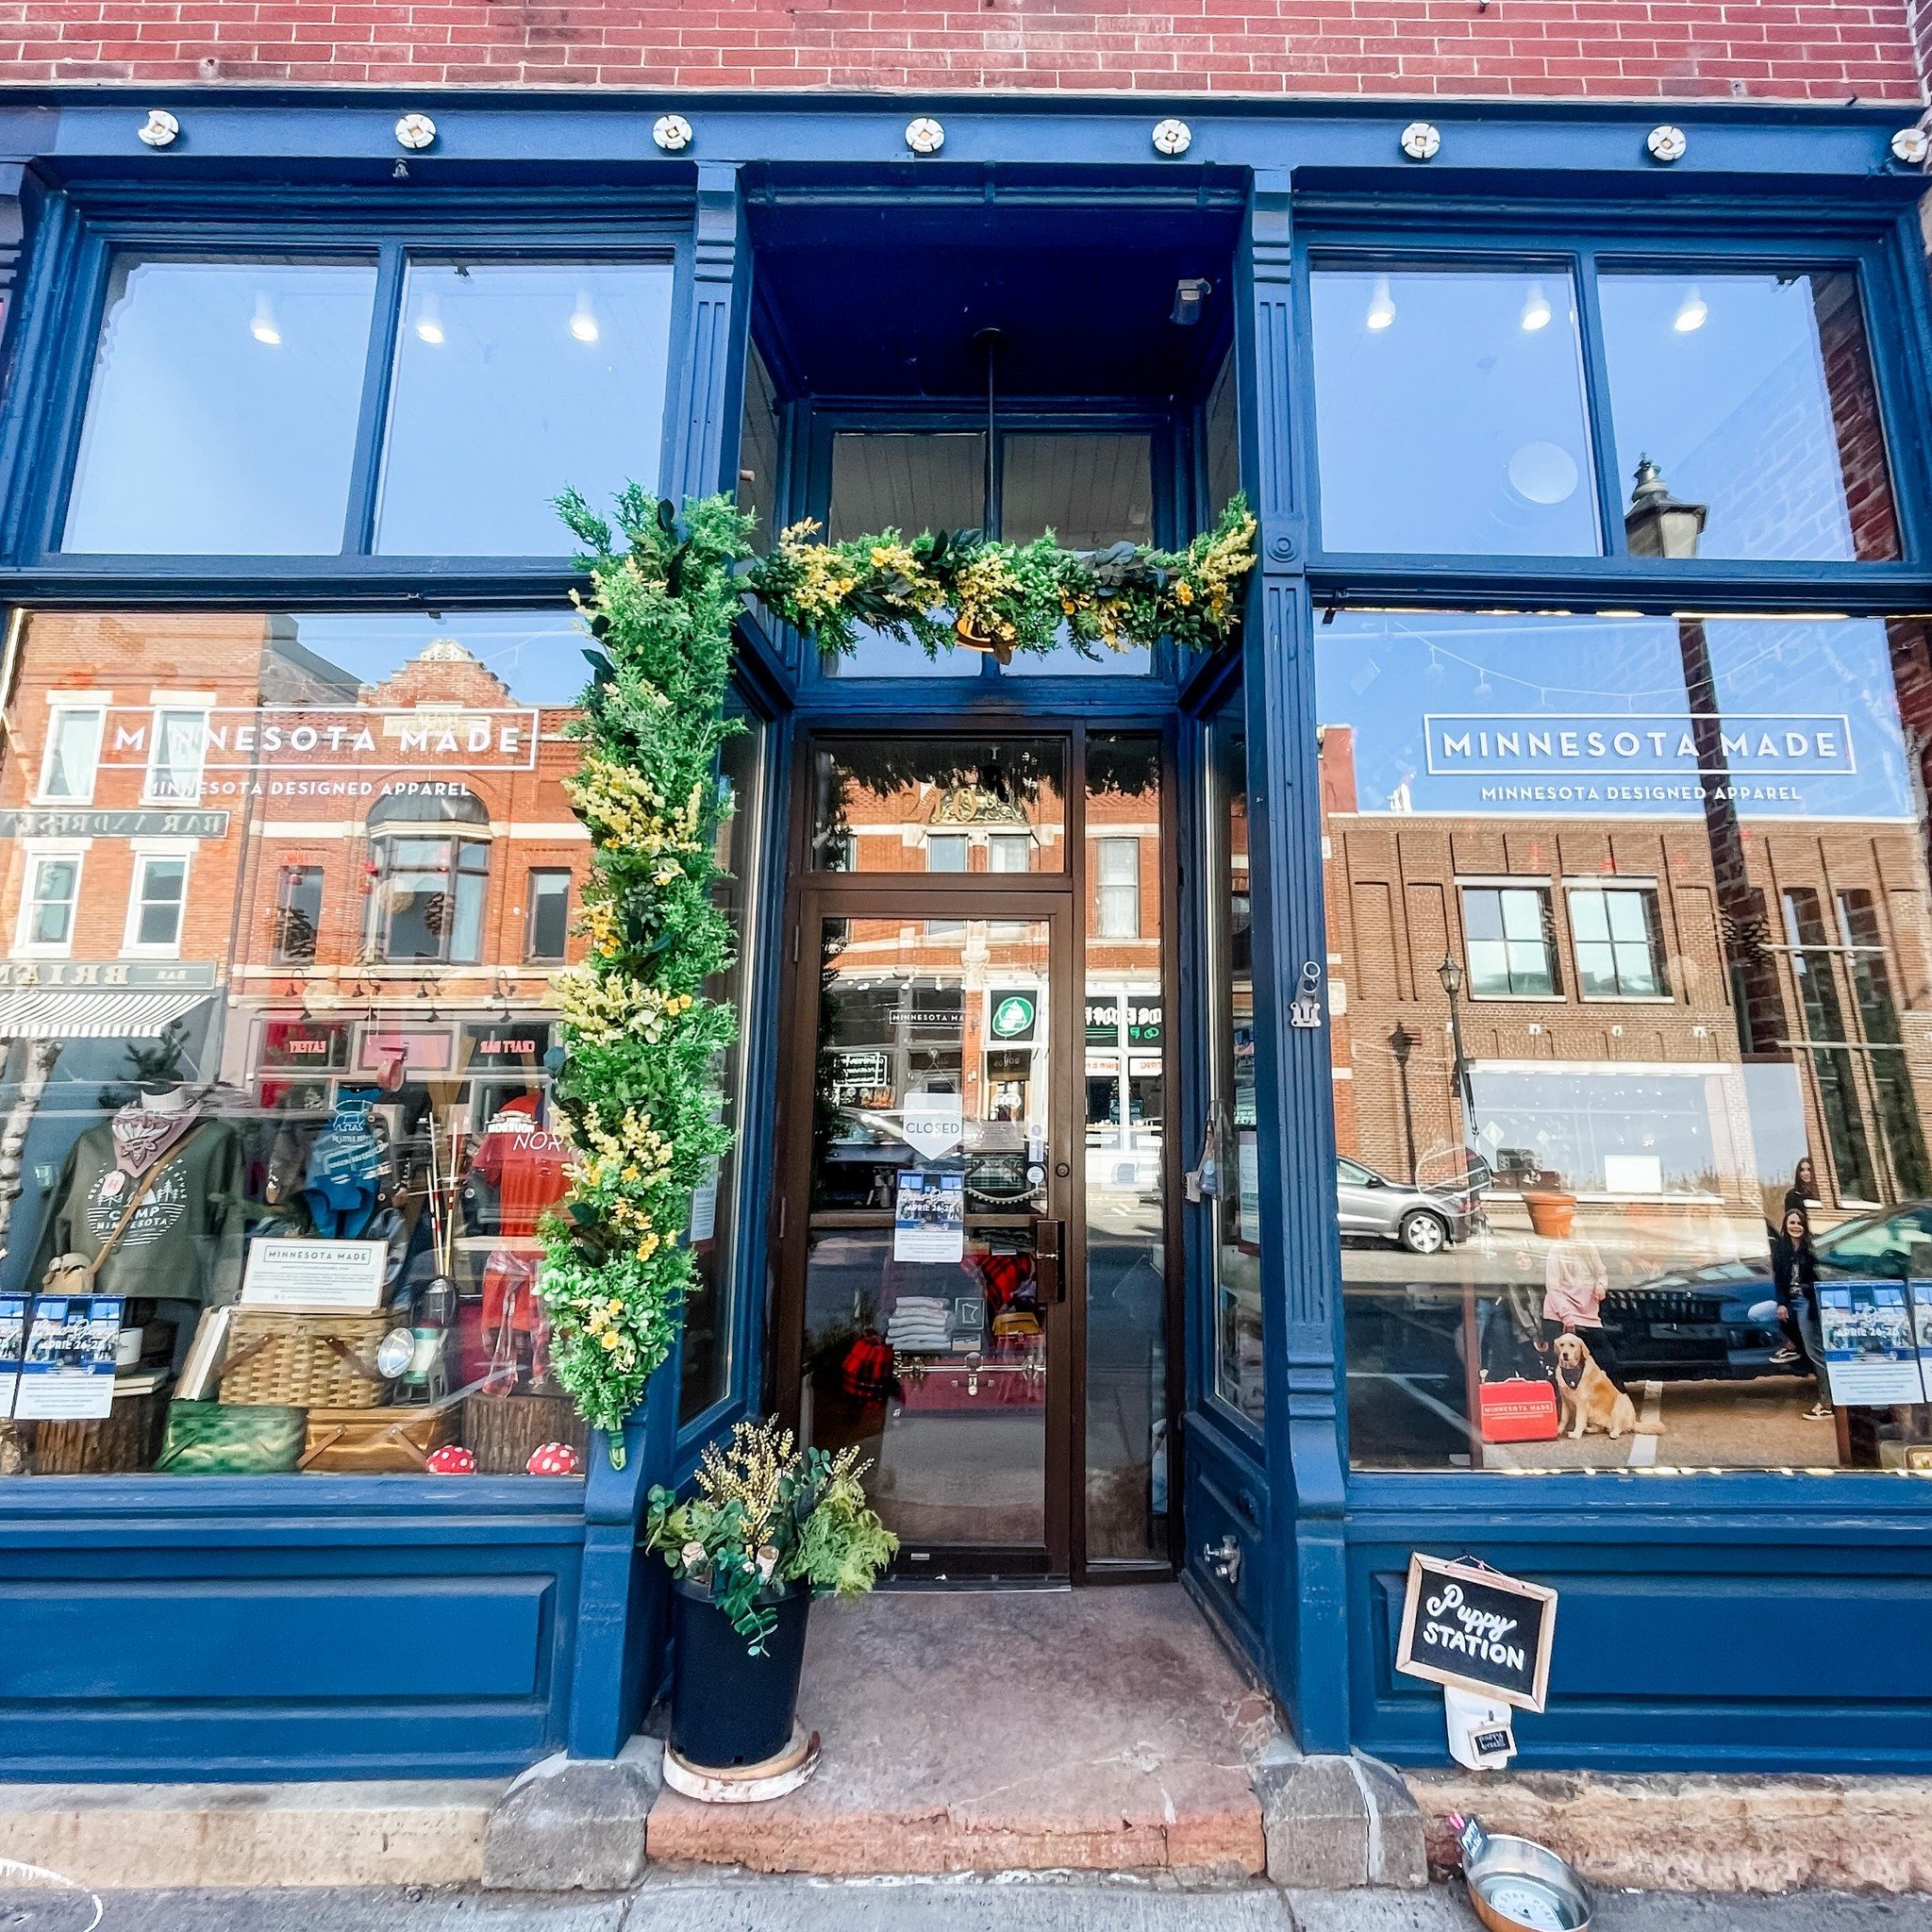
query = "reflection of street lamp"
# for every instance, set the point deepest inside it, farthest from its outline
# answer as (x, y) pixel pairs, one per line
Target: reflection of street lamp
(1402, 1042)
(1450, 974)
(1656, 524)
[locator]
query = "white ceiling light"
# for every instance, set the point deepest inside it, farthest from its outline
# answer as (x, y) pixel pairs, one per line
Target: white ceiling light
(428, 323)
(583, 319)
(1381, 305)
(1693, 314)
(1535, 309)
(264, 329)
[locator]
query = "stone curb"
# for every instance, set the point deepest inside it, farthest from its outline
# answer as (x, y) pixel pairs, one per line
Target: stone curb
(1696, 1832)
(575, 1824)
(146, 1836)
(1338, 1823)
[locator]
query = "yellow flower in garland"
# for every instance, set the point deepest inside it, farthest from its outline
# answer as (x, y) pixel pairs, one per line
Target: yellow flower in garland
(625, 811)
(603, 1007)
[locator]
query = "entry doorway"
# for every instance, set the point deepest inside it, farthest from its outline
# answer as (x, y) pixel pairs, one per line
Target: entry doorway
(976, 1270)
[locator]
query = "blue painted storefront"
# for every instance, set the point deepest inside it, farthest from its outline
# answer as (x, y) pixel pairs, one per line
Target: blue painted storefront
(359, 1626)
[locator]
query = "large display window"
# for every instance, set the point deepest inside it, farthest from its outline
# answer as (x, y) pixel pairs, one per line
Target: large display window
(282, 894)
(1632, 1031)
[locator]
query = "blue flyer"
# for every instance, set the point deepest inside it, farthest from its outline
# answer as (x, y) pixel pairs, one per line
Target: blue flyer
(1871, 1351)
(68, 1371)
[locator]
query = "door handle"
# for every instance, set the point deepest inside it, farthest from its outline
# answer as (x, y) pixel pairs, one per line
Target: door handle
(1047, 1271)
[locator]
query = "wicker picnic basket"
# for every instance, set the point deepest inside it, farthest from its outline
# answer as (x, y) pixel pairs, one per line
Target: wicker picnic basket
(306, 1361)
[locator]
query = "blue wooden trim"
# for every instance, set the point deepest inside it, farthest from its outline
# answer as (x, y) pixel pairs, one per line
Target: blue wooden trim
(378, 383)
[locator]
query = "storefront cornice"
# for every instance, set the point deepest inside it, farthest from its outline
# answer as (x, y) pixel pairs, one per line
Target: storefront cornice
(86, 129)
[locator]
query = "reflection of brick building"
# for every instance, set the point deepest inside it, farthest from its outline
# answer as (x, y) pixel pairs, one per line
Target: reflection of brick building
(416, 860)
(120, 868)
(1647, 1094)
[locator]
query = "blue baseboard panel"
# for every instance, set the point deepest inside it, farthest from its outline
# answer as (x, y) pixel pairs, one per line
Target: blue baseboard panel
(285, 1628)
(1754, 1642)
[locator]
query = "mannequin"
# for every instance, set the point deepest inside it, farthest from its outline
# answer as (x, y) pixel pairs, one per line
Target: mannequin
(184, 1243)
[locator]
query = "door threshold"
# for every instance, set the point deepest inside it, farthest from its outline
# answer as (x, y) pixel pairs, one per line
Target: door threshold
(985, 1582)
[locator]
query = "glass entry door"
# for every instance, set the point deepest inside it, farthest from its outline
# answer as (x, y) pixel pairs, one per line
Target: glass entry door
(929, 1206)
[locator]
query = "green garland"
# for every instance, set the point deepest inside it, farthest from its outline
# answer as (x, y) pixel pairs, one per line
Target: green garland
(638, 1090)
(958, 588)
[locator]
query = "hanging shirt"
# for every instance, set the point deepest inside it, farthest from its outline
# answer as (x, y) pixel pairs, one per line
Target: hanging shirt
(525, 1166)
(184, 1243)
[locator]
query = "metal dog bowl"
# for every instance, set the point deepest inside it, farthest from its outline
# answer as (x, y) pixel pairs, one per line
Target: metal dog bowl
(1518, 1885)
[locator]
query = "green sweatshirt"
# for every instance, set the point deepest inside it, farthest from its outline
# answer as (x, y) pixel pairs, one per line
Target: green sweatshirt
(185, 1241)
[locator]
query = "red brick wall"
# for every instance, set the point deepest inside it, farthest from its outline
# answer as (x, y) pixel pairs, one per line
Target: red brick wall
(1814, 50)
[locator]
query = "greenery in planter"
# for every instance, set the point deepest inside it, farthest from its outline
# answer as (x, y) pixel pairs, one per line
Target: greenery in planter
(642, 1039)
(767, 1515)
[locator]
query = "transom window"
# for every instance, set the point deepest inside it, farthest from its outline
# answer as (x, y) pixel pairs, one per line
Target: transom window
(1740, 416)
(506, 380)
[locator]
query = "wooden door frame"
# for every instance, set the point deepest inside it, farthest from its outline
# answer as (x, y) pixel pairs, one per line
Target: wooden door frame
(1064, 897)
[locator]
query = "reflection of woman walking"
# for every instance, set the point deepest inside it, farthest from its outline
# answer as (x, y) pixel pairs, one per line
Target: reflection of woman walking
(1794, 1273)
(1574, 1284)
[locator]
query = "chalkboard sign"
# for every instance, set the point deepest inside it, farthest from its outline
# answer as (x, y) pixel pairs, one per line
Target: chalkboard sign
(1469, 1625)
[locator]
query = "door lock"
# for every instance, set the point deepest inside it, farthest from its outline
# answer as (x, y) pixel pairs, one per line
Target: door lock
(1223, 1559)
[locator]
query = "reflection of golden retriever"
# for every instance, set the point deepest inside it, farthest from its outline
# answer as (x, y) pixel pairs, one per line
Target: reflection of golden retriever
(1591, 1398)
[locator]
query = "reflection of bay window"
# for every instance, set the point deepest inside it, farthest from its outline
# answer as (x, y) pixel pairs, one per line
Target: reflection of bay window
(46, 911)
(428, 899)
(1508, 931)
(298, 913)
(155, 903)
(1617, 938)
(175, 756)
(73, 751)
(549, 928)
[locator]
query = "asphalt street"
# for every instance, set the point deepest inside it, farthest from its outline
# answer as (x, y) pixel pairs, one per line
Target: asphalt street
(674, 1902)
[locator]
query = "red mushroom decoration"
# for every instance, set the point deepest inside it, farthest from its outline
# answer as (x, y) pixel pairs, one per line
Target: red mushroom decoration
(451, 1460)
(553, 1459)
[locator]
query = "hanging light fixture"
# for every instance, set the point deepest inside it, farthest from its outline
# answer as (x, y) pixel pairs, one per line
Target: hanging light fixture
(583, 319)
(988, 339)
(1693, 314)
(429, 322)
(1381, 306)
(1535, 309)
(264, 329)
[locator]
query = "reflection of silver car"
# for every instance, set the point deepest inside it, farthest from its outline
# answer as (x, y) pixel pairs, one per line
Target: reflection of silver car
(1424, 1221)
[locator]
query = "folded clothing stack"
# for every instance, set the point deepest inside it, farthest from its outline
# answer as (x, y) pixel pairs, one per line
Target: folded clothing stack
(918, 1324)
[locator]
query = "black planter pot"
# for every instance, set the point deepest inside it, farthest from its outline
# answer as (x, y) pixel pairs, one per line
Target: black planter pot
(728, 1707)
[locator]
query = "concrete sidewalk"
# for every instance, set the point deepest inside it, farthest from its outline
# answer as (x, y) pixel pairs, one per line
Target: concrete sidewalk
(718, 1903)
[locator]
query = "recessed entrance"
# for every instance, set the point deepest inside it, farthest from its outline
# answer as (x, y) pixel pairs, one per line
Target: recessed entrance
(977, 1251)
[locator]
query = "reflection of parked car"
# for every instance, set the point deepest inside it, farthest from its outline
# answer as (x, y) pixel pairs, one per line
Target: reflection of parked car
(1424, 1220)
(1719, 1322)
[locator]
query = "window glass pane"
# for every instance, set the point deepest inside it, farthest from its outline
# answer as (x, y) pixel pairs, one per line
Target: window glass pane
(298, 921)
(180, 740)
(757, 451)
(73, 744)
(910, 483)
(1449, 413)
(1091, 490)
(162, 882)
(306, 972)
(1728, 814)
(1234, 1125)
(242, 379)
(1754, 397)
(1221, 430)
(1128, 1460)
(514, 381)
(933, 805)
(549, 915)
(710, 1312)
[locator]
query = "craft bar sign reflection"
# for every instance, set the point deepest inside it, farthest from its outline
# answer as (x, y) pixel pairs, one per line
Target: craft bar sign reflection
(1466, 1624)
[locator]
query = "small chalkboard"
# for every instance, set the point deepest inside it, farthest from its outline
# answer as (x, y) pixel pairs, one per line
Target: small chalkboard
(1465, 1624)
